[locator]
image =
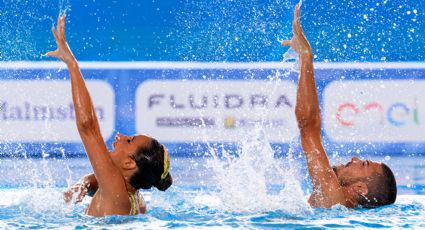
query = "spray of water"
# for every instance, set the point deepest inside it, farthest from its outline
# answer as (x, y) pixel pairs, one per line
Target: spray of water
(257, 181)
(23, 25)
(19, 42)
(230, 30)
(253, 179)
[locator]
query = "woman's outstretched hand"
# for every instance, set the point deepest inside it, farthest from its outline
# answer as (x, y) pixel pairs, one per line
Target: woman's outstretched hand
(76, 193)
(298, 42)
(63, 52)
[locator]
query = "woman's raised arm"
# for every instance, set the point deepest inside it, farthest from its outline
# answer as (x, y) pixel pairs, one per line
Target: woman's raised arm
(87, 122)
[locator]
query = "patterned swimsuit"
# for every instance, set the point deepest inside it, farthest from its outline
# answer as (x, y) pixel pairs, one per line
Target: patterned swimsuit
(134, 203)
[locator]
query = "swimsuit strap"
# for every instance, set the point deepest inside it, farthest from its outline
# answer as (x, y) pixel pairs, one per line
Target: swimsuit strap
(134, 204)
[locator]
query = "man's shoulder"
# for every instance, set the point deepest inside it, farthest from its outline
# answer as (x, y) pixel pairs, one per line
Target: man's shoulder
(320, 200)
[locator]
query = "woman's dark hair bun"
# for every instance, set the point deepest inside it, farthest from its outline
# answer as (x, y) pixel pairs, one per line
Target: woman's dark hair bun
(150, 166)
(164, 184)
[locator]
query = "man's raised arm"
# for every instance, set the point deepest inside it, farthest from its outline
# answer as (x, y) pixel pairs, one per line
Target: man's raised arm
(326, 189)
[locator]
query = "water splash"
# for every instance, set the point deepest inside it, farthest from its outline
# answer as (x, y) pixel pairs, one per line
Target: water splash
(257, 181)
(252, 179)
(64, 7)
(24, 22)
(230, 30)
(46, 201)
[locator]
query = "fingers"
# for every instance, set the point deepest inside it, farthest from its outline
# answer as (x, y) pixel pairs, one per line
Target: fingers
(55, 33)
(296, 24)
(58, 25)
(61, 24)
(80, 197)
(297, 11)
(77, 191)
(53, 53)
(62, 52)
(59, 34)
(286, 42)
(67, 196)
(82, 192)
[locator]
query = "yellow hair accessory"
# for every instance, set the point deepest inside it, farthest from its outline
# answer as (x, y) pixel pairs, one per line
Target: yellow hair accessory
(166, 164)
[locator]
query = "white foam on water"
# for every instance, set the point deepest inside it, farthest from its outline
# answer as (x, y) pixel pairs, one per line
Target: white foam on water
(46, 201)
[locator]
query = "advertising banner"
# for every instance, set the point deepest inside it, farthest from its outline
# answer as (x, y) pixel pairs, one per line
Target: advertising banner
(42, 110)
(374, 108)
(217, 110)
(378, 111)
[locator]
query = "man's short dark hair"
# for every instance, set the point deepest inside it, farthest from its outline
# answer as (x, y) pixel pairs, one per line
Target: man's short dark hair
(382, 189)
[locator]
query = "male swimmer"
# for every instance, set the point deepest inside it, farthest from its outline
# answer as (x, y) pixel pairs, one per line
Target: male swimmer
(135, 162)
(359, 183)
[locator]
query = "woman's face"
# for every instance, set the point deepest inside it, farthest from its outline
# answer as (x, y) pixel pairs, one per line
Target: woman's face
(125, 147)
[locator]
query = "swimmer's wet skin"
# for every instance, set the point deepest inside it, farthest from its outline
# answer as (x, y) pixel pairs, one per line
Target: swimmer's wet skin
(359, 183)
(135, 162)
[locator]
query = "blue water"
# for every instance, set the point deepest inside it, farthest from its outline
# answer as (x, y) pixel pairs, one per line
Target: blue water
(31, 197)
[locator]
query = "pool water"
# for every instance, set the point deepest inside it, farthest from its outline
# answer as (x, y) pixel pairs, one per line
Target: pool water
(31, 197)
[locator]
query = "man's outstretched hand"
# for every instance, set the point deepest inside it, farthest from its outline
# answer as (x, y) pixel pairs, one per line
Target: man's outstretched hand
(298, 42)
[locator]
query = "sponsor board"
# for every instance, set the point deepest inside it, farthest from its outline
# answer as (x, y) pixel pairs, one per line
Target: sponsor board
(183, 107)
(42, 111)
(217, 110)
(375, 111)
